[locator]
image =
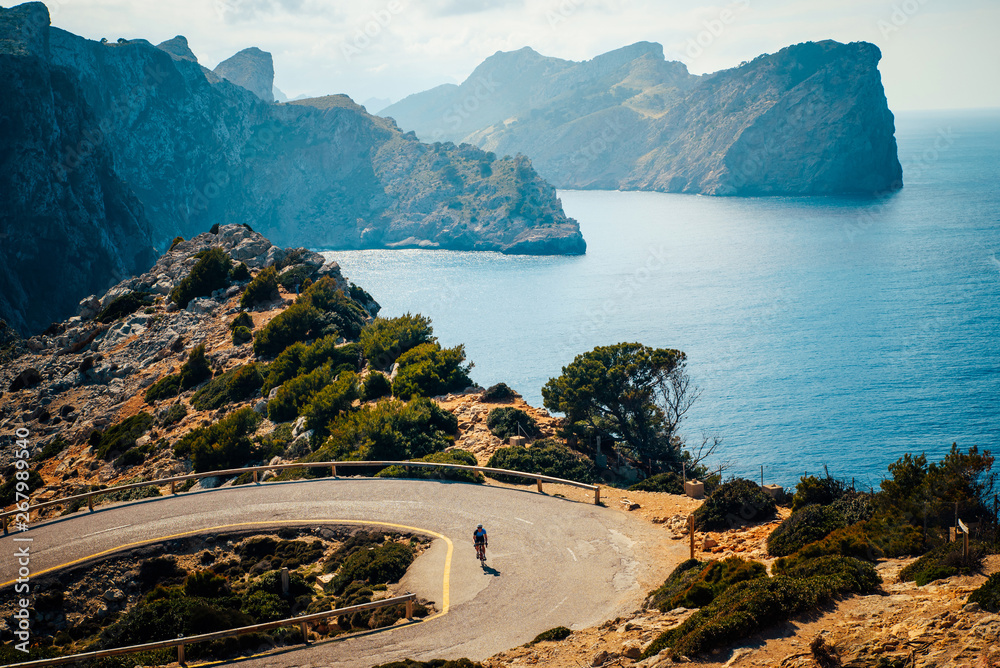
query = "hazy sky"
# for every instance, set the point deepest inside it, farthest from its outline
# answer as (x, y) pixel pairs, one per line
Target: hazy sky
(936, 53)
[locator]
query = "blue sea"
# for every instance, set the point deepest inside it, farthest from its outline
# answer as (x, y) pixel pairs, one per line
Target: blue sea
(838, 332)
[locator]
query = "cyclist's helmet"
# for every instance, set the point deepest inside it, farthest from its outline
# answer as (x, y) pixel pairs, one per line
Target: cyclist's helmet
(480, 526)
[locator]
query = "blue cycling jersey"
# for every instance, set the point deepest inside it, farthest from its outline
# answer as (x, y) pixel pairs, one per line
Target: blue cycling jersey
(479, 535)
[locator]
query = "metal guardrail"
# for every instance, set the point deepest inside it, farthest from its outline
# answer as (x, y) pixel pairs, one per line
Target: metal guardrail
(257, 470)
(179, 643)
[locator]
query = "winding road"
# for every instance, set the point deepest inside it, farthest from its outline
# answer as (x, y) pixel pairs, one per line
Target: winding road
(552, 562)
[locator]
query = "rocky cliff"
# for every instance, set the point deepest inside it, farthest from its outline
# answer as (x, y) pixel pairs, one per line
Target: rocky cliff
(811, 119)
(120, 146)
(251, 68)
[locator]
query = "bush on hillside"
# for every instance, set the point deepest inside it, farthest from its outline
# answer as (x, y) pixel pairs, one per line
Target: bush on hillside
(242, 320)
(173, 244)
(669, 482)
(171, 415)
(196, 370)
(385, 564)
(694, 584)
(738, 501)
(944, 561)
(293, 324)
(222, 445)
(121, 437)
(508, 421)
(296, 394)
(295, 277)
(988, 594)
(242, 335)
(545, 457)
(263, 288)
(124, 305)
(385, 339)
(814, 490)
(429, 370)
(210, 273)
(853, 541)
(165, 388)
(340, 314)
(552, 635)
(376, 386)
(855, 507)
(498, 393)
(803, 527)
(300, 358)
(240, 272)
(327, 404)
(389, 430)
(427, 473)
(238, 384)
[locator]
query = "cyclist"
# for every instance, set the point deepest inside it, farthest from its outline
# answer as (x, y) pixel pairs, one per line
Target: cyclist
(481, 541)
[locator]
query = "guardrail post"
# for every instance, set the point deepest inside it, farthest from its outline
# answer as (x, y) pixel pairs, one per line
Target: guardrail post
(597, 496)
(180, 655)
(333, 471)
(409, 609)
(539, 481)
(256, 479)
(285, 581)
(691, 533)
(5, 525)
(173, 487)
(90, 503)
(305, 633)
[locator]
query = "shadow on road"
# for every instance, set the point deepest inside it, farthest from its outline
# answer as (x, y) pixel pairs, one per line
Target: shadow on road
(491, 571)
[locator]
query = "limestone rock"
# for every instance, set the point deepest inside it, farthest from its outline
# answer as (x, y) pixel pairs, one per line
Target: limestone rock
(178, 48)
(252, 69)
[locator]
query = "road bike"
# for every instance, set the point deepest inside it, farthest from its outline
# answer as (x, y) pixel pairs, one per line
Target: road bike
(481, 553)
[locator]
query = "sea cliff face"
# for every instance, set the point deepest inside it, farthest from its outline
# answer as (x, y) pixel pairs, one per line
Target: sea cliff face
(811, 119)
(153, 145)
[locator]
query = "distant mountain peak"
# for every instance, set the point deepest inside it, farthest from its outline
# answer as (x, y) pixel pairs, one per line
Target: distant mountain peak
(178, 48)
(252, 69)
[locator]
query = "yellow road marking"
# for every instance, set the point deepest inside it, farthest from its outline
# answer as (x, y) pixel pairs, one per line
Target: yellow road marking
(446, 584)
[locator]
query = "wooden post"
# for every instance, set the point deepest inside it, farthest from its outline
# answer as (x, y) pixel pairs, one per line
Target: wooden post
(285, 581)
(256, 479)
(597, 496)
(539, 481)
(691, 533)
(180, 655)
(409, 609)
(5, 525)
(173, 487)
(90, 503)
(333, 471)
(762, 476)
(684, 470)
(965, 539)
(305, 633)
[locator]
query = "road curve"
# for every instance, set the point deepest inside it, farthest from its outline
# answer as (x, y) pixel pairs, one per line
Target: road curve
(552, 562)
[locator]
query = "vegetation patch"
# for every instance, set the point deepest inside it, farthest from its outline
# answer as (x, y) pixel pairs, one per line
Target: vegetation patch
(296, 394)
(295, 323)
(171, 415)
(669, 482)
(498, 393)
(853, 541)
(988, 595)
(222, 445)
(263, 288)
(429, 370)
(430, 473)
(802, 527)
(697, 585)
(209, 273)
(944, 561)
(508, 421)
(736, 502)
(384, 564)
(385, 339)
(8, 490)
(193, 372)
(239, 384)
(124, 305)
(375, 387)
(546, 457)
(300, 358)
(121, 437)
(814, 490)
(552, 635)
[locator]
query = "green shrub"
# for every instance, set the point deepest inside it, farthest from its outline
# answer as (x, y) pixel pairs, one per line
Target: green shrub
(751, 606)
(855, 507)
(196, 369)
(242, 335)
(221, 445)
(124, 305)
(210, 273)
(376, 386)
(300, 358)
(389, 430)
(169, 617)
(944, 561)
(173, 244)
(497, 393)
(427, 473)
(546, 457)
(206, 584)
(552, 635)
(813, 490)
(54, 447)
(803, 527)
(360, 295)
(508, 421)
(293, 324)
(695, 585)
(670, 483)
(263, 607)
(340, 314)
(296, 276)
(244, 319)
(240, 272)
(165, 388)
(735, 502)
(853, 541)
(238, 384)
(385, 564)
(988, 595)
(678, 582)
(297, 393)
(263, 288)
(214, 229)
(429, 370)
(385, 339)
(330, 402)
(122, 436)
(270, 582)
(8, 490)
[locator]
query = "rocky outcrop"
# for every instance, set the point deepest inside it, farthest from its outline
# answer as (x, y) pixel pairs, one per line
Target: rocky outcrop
(811, 119)
(111, 146)
(69, 224)
(178, 48)
(252, 69)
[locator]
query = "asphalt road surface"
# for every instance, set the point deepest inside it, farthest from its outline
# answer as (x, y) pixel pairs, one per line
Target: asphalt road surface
(551, 562)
